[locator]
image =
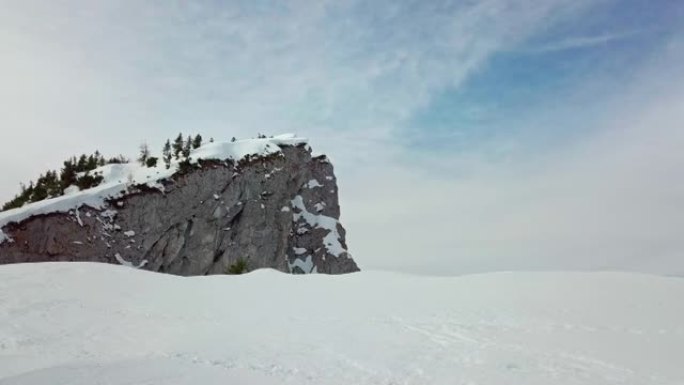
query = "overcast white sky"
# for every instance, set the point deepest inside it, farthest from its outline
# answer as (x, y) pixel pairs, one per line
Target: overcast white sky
(467, 136)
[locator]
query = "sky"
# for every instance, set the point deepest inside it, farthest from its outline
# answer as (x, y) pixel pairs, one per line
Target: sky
(467, 136)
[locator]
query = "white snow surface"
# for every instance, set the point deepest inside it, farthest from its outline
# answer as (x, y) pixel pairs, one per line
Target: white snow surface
(242, 148)
(71, 190)
(87, 323)
(118, 178)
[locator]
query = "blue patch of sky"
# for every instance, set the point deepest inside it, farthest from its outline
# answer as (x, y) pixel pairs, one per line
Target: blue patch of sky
(544, 96)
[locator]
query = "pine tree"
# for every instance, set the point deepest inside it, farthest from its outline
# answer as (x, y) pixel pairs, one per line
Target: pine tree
(187, 146)
(99, 159)
(118, 160)
(88, 181)
(211, 140)
(92, 163)
(39, 191)
(178, 146)
(52, 185)
(82, 163)
(67, 176)
(233, 139)
(166, 154)
(144, 154)
(21, 199)
(197, 142)
(26, 195)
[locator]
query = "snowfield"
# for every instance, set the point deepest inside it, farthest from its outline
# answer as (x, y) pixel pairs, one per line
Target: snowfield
(78, 324)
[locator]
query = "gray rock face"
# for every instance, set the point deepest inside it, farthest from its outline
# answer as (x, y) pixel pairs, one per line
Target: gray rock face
(279, 211)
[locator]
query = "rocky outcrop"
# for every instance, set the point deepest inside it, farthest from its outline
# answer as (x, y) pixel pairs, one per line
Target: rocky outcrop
(276, 211)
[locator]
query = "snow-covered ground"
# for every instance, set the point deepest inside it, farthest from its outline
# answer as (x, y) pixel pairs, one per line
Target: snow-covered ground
(102, 324)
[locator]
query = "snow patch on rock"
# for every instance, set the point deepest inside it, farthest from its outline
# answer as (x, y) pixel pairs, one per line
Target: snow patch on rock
(332, 239)
(124, 262)
(319, 206)
(5, 238)
(78, 217)
(243, 148)
(313, 183)
(306, 265)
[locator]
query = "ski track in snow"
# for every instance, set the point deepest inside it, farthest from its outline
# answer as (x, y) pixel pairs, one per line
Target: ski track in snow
(82, 323)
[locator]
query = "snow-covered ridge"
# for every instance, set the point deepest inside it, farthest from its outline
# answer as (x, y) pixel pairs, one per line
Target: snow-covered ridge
(118, 179)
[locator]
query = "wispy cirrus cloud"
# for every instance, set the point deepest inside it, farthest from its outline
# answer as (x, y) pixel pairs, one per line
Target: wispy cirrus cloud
(137, 71)
(580, 42)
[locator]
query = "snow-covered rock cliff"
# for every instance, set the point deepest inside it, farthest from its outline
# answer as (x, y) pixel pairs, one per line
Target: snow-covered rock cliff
(264, 201)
